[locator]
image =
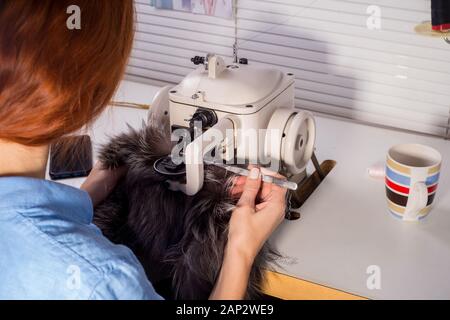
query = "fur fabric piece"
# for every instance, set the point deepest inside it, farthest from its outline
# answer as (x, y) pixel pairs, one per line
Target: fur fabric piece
(179, 239)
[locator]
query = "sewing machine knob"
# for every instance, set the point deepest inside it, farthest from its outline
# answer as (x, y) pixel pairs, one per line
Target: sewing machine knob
(197, 60)
(207, 118)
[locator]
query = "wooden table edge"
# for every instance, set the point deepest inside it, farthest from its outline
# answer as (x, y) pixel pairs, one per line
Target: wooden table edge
(285, 287)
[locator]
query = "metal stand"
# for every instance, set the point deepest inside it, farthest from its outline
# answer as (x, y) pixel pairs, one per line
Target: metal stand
(317, 166)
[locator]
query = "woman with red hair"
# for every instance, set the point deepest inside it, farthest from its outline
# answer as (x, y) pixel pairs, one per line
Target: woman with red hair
(54, 81)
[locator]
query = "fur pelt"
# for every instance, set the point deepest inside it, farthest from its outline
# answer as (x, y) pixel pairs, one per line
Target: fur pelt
(179, 239)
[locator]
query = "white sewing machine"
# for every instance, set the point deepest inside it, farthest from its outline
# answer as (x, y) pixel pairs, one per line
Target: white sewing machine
(245, 113)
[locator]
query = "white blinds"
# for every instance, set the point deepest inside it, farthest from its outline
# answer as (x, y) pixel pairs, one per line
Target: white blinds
(389, 76)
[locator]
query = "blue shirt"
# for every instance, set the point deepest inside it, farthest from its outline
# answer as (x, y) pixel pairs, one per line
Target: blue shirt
(49, 248)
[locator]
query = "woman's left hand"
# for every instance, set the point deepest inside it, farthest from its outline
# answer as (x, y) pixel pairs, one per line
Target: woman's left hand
(101, 182)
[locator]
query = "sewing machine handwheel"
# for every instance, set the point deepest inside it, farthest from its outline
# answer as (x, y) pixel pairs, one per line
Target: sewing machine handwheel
(159, 110)
(290, 139)
(298, 144)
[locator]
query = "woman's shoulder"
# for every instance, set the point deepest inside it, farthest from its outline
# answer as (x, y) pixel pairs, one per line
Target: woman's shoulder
(50, 248)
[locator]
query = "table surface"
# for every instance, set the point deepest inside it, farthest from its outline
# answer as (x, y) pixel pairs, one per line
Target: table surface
(345, 227)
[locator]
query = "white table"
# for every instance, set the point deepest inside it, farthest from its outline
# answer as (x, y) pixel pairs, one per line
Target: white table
(345, 226)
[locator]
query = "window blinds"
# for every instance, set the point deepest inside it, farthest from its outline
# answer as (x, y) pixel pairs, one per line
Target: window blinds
(347, 62)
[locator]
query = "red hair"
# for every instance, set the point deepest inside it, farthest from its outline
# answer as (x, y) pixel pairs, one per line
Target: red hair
(53, 80)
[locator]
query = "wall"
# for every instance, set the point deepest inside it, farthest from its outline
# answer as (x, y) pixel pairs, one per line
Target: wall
(389, 76)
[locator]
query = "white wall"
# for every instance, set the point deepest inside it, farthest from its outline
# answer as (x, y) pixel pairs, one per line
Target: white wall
(390, 76)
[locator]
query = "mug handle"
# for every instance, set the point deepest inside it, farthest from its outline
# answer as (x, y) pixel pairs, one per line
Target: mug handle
(417, 201)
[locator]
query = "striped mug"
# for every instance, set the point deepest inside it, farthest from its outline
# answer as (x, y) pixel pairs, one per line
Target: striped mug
(412, 175)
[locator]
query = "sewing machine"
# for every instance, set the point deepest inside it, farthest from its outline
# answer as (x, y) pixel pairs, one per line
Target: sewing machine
(344, 226)
(236, 114)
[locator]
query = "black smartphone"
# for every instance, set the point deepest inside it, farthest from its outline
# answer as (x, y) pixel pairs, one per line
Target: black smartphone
(71, 157)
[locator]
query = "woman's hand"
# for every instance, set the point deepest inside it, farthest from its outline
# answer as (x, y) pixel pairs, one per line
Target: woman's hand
(101, 182)
(261, 208)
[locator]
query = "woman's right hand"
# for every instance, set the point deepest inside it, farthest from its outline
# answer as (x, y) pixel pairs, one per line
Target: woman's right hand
(259, 211)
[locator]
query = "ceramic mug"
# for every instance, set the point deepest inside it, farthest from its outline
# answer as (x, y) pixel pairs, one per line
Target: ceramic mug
(412, 176)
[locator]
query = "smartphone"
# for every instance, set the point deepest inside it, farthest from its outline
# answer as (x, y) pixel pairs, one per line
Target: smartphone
(71, 157)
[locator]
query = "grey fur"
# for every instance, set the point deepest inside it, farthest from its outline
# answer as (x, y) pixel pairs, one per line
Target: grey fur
(176, 237)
